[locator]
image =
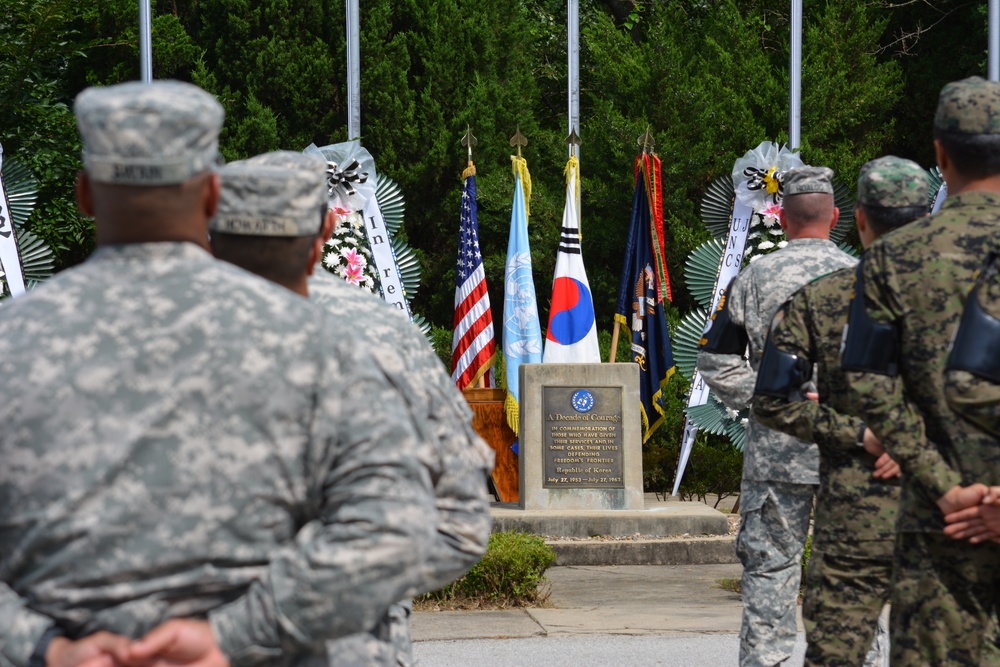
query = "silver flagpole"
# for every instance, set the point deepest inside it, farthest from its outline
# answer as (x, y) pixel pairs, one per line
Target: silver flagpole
(145, 43)
(994, 35)
(573, 33)
(795, 98)
(353, 71)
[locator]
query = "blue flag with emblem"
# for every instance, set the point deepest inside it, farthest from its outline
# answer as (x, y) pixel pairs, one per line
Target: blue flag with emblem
(522, 332)
(641, 307)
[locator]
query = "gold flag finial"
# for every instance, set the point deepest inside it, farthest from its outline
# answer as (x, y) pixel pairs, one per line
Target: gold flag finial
(469, 140)
(573, 140)
(646, 141)
(518, 140)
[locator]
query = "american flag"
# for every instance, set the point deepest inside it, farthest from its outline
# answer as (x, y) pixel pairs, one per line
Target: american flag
(473, 347)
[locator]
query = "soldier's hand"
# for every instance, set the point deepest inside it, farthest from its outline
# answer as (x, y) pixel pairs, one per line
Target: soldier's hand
(101, 649)
(812, 396)
(960, 497)
(976, 524)
(872, 444)
(885, 467)
(179, 642)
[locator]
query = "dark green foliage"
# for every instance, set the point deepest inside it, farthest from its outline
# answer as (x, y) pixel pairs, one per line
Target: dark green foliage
(441, 338)
(510, 574)
(709, 78)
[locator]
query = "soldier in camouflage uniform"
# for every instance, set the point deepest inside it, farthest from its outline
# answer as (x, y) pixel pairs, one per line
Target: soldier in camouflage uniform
(456, 458)
(780, 472)
(976, 396)
(915, 280)
(188, 448)
(850, 568)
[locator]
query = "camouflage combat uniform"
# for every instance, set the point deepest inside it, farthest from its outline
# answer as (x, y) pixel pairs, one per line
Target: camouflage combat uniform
(976, 397)
(779, 472)
(850, 568)
(182, 438)
(916, 278)
(458, 460)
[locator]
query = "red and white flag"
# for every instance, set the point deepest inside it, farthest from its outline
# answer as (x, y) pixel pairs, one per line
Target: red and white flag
(473, 347)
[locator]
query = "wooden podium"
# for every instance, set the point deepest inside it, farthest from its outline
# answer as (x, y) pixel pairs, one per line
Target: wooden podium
(490, 422)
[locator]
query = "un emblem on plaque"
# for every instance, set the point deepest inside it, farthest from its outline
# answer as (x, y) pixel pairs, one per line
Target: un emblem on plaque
(582, 401)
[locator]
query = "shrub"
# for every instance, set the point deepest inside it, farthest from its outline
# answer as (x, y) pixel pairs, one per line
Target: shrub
(510, 574)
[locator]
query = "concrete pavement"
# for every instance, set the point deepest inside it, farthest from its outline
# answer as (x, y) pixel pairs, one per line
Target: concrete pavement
(607, 615)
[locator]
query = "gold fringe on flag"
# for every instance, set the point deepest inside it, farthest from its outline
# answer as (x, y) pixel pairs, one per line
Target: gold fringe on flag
(521, 169)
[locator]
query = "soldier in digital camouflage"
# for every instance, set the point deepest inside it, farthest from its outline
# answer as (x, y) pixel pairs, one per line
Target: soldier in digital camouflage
(850, 567)
(455, 457)
(915, 282)
(972, 388)
(191, 451)
(780, 472)
(972, 385)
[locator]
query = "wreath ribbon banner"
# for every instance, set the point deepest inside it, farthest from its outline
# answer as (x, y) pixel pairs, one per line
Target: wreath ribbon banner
(385, 261)
(10, 255)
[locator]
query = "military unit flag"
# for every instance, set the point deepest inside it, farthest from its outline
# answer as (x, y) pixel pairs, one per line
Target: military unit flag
(473, 346)
(522, 333)
(571, 337)
(643, 288)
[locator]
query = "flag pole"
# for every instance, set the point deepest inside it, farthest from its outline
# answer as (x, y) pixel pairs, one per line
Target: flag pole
(353, 71)
(795, 94)
(145, 43)
(573, 49)
(994, 36)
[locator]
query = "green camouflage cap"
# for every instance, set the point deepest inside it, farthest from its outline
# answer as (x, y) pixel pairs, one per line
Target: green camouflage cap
(276, 194)
(160, 133)
(807, 180)
(969, 106)
(892, 182)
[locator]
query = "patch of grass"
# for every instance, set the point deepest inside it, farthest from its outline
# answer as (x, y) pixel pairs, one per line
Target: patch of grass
(510, 574)
(731, 584)
(735, 585)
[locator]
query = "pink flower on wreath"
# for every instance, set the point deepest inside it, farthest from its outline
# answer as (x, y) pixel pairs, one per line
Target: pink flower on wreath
(352, 274)
(352, 257)
(771, 211)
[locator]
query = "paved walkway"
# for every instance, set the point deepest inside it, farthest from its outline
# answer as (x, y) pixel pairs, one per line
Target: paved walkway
(673, 615)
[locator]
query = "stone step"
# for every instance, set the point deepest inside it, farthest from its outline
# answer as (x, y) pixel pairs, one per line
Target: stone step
(670, 532)
(659, 520)
(715, 550)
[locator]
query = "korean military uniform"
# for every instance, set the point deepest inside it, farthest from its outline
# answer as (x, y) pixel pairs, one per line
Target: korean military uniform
(188, 440)
(972, 373)
(780, 472)
(916, 279)
(850, 568)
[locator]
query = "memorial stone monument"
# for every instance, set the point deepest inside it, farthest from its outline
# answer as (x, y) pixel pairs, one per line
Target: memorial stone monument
(580, 444)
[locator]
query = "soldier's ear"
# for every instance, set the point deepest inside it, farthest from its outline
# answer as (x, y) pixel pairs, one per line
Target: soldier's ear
(84, 196)
(316, 251)
(211, 195)
(941, 156)
(836, 217)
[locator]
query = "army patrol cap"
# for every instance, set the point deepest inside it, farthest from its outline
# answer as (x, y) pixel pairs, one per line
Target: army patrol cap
(807, 180)
(276, 194)
(892, 182)
(150, 134)
(969, 106)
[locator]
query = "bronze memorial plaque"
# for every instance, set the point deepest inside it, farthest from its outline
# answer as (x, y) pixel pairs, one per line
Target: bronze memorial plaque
(582, 446)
